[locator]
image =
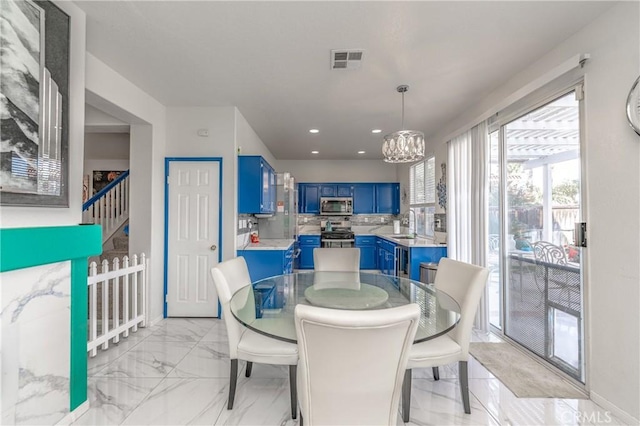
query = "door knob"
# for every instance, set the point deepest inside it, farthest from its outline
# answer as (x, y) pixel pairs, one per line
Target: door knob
(214, 247)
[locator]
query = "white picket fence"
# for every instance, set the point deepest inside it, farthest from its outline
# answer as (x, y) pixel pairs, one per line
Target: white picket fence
(117, 298)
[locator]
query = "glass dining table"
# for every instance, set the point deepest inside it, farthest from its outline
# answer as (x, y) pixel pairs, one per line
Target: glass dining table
(267, 306)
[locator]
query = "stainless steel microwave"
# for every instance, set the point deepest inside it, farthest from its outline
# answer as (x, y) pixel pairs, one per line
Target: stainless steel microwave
(336, 206)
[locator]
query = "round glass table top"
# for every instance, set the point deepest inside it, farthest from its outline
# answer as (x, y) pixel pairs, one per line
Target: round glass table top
(267, 306)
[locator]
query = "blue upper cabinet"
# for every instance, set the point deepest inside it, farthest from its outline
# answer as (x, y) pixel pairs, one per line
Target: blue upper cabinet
(387, 198)
(344, 190)
(363, 198)
(309, 198)
(368, 198)
(327, 190)
(256, 185)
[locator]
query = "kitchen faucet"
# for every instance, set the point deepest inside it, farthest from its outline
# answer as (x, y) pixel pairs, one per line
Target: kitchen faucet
(405, 220)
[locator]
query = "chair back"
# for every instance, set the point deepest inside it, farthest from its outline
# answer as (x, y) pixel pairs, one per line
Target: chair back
(352, 363)
(228, 277)
(544, 251)
(336, 259)
(465, 283)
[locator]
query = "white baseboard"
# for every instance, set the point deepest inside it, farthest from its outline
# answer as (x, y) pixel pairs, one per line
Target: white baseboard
(75, 414)
(625, 417)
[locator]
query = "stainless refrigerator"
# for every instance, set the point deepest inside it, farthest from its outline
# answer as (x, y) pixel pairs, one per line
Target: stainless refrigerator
(284, 222)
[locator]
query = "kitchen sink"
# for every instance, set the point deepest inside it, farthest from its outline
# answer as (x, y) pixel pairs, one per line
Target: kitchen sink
(403, 237)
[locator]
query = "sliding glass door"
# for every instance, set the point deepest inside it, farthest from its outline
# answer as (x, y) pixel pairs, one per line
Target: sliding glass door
(536, 282)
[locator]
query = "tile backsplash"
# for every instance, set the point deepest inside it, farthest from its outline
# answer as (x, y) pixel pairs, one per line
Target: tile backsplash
(356, 219)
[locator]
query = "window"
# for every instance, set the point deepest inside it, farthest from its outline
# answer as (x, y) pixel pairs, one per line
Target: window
(422, 198)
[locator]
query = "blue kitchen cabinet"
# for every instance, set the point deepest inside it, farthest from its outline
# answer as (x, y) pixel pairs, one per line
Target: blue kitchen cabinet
(309, 198)
(264, 264)
(307, 244)
(423, 254)
(328, 190)
(267, 263)
(386, 256)
(363, 198)
(256, 185)
(344, 190)
(387, 198)
(367, 246)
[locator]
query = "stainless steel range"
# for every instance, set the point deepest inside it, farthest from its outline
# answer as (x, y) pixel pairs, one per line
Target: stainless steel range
(334, 233)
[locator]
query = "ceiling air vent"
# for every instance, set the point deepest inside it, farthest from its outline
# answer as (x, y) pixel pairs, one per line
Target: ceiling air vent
(346, 59)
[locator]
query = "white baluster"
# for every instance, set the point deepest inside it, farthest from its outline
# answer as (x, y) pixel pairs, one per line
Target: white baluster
(125, 295)
(145, 283)
(116, 300)
(118, 202)
(93, 308)
(134, 292)
(105, 304)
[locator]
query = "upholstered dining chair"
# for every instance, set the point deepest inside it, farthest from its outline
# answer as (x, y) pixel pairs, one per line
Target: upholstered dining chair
(336, 259)
(465, 283)
(230, 276)
(351, 363)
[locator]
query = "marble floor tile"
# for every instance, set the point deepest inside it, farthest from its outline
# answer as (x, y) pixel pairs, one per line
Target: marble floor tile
(113, 399)
(115, 350)
(182, 402)
(501, 403)
(182, 330)
(450, 371)
(177, 373)
(259, 401)
(217, 333)
(587, 410)
(206, 359)
(148, 359)
(440, 403)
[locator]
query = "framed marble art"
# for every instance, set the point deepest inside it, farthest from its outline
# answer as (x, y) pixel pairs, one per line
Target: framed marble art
(34, 104)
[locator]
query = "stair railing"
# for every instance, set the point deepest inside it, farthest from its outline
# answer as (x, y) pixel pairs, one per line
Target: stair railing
(109, 207)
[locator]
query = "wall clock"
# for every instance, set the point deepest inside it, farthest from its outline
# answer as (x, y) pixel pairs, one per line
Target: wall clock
(633, 106)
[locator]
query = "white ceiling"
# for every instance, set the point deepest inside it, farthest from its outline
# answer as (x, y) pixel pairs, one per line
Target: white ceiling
(272, 60)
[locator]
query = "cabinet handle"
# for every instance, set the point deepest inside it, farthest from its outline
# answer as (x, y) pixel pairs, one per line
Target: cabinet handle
(213, 247)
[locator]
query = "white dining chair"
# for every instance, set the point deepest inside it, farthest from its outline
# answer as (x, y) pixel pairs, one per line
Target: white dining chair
(336, 259)
(351, 363)
(465, 283)
(229, 277)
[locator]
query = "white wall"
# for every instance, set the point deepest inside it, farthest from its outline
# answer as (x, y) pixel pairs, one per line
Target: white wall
(109, 146)
(612, 152)
(248, 142)
(183, 141)
(110, 92)
(105, 151)
(339, 170)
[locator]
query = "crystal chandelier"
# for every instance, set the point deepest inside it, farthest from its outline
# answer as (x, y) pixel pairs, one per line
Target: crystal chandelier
(403, 146)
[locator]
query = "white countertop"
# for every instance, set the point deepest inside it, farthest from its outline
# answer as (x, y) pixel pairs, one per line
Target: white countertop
(268, 244)
(413, 242)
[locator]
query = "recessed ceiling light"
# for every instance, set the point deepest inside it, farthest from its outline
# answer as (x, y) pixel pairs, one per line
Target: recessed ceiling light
(360, 152)
(315, 152)
(376, 131)
(314, 131)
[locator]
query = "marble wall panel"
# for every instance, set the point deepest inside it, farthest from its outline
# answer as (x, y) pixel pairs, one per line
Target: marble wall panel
(35, 344)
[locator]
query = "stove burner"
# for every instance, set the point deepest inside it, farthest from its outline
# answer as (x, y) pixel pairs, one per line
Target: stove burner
(337, 235)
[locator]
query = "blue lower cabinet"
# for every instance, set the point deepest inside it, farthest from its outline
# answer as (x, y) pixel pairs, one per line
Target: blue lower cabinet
(424, 254)
(307, 244)
(264, 263)
(367, 246)
(265, 295)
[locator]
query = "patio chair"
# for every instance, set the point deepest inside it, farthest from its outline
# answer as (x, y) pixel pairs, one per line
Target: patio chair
(554, 272)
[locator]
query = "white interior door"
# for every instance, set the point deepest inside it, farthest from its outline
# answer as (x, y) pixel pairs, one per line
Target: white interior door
(193, 238)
